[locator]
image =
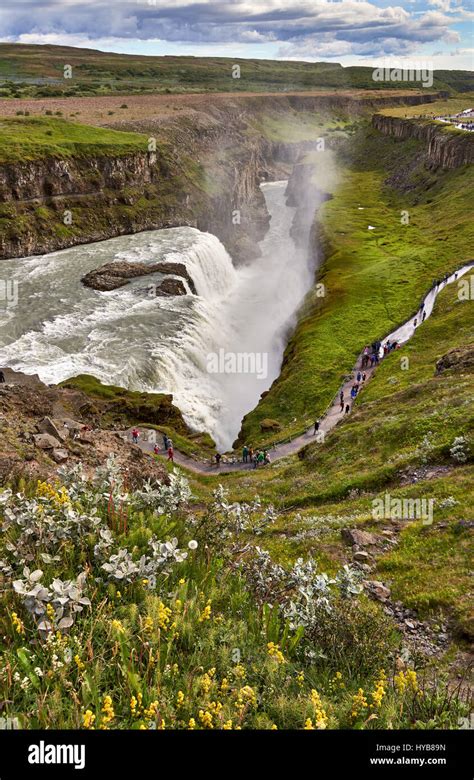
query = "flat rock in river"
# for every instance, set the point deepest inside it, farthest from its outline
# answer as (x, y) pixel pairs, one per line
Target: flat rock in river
(113, 275)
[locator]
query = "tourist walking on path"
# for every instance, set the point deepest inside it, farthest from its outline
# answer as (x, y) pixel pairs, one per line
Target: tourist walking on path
(348, 408)
(218, 459)
(2, 378)
(165, 442)
(171, 454)
(245, 454)
(316, 427)
(156, 449)
(135, 435)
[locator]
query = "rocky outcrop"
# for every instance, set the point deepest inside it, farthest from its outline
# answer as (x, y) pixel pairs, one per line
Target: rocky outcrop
(113, 275)
(34, 446)
(355, 536)
(445, 147)
(460, 359)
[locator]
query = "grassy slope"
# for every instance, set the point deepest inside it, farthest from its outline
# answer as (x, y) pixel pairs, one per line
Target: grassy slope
(28, 138)
(335, 483)
(451, 105)
(374, 279)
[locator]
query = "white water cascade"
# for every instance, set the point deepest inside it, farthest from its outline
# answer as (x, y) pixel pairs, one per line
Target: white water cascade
(59, 328)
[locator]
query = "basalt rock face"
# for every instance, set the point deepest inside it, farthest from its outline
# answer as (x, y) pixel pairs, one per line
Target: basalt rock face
(113, 275)
(445, 148)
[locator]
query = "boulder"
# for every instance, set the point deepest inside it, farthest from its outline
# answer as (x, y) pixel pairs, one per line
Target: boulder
(72, 425)
(59, 455)
(354, 536)
(269, 425)
(378, 590)
(85, 437)
(361, 555)
(47, 425)
(171, 286)
(46, 442)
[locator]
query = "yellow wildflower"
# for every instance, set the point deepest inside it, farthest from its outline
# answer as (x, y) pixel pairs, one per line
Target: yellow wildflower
(80, 664)
(18, 624)
(227, 725)
(275, 652)
(136, 704)
(108, 711)
(206, 613)
(224, 685)
(359, 703)
(206, 682)
(151, 710)
(164, 616)
(206, 719)
(117, 626)
(191, 724)
(180, 699)
(245, 697)
(88, 719)
(404, 680)
(379, 691)
(148, 625)
(319, 711)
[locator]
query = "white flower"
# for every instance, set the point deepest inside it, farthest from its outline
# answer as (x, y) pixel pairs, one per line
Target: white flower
(192, 544)
(25, 684)
(38, 672)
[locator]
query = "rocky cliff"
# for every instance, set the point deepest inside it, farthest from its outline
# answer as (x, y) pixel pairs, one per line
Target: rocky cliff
(205, 173)
(445, 146)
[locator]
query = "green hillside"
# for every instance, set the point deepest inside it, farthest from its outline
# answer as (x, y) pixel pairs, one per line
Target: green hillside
(32, 70)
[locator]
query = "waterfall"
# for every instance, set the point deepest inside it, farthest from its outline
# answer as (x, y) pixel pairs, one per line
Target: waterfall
(60, 328)
(209, 266)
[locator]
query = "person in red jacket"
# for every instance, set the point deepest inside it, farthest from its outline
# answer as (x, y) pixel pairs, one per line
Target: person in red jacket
(135, 435)
(171, 454)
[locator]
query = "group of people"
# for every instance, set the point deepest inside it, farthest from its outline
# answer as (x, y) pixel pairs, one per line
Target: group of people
(167, 444)
(257, 457)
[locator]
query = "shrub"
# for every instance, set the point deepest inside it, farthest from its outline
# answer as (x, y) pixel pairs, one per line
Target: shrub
(353, 635)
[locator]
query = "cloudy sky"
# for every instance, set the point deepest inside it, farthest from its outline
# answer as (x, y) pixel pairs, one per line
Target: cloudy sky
(347, 31)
